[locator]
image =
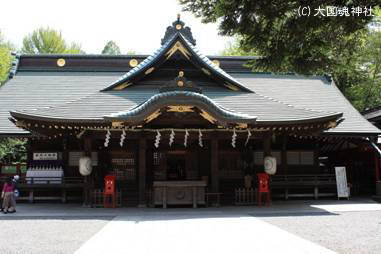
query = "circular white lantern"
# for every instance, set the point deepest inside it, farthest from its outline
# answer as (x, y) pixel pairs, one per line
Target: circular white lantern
(85, 166)
(270, 165)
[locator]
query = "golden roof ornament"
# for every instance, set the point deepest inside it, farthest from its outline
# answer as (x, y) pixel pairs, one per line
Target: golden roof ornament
(178, 27)
(180, 83)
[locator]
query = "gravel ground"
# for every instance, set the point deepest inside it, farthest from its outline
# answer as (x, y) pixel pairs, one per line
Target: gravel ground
(344, 232)
(48, 235)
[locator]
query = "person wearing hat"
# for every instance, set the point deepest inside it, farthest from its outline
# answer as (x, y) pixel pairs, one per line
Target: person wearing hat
(8, 196)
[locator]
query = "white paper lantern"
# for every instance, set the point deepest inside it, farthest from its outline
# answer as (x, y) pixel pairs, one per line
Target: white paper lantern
(85, 167)
(270, 165)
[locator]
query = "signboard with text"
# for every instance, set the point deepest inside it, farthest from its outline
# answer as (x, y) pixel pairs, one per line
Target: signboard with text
(45, 156)
(341, 182)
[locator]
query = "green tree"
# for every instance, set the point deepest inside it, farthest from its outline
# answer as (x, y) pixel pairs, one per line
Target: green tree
(111, 48)
(367, 92)
(285, 41)
(12, 150)
(235, 49)
(5, 59)
(48, 41)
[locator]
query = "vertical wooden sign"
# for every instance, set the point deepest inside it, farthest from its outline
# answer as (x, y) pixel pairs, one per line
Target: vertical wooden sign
(341, 182)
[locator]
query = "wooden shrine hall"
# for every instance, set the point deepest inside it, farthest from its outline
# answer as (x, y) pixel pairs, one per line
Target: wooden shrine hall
(181, 128)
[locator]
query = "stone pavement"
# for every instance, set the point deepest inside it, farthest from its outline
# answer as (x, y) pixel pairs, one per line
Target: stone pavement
(203, 230)
(213, 233)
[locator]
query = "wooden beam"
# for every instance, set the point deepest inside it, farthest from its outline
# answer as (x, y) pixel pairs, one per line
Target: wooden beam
(142, 172)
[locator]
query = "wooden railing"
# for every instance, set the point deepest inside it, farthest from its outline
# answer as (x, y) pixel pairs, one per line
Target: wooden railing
(46, 187)
(305, 185)
(44, 181)
(245, 196)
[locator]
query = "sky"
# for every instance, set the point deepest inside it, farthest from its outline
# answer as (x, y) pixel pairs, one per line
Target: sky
(136, 25)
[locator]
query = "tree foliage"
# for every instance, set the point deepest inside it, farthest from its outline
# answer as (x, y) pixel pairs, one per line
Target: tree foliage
(5, 58)
(111, 48)
(48, 41)
(366, 93)
(235, 49)
(12, 150)
(285, 41)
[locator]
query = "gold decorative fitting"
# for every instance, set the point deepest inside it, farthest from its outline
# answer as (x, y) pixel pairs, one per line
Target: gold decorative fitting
(152, 116)
(180, 47)
(180, 83)
(332, 124)
(181, 74)
(180, 109)
(231, 87)
(20, 124)
(178, 27)
(208, 117)
(148, 71)
(207, 72)
(61, 62)
(122, 86)
(133, 63)
(117, 124)
(216, 62)
(242, 125)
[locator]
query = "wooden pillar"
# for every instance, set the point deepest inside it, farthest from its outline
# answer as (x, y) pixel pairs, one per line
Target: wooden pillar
(284, 162)
(214, 166)
(316, 158)
(267, 145)
(142, 172)
(29, 153)
(65, 155)
(88, 185)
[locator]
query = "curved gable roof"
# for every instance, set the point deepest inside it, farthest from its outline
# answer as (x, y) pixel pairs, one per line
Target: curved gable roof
(181, 98)
(177, 42)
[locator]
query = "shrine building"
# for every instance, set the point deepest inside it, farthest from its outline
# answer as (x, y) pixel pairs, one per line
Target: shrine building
(180, 128)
